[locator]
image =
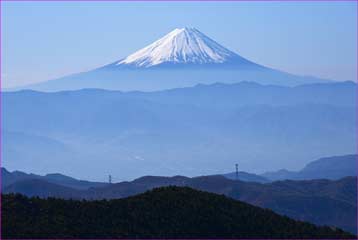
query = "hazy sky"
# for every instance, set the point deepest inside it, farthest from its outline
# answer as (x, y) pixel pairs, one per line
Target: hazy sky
(45, 40)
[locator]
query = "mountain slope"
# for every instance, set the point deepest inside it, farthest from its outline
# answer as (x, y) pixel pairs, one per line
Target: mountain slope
(331, 167)
(43, 189)
(184, 57)
(321, 202)
(9, 178)
(326, 168)
(162, 213)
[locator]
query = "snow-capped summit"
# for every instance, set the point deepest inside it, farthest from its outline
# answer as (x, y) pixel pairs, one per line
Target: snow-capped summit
(181, 46)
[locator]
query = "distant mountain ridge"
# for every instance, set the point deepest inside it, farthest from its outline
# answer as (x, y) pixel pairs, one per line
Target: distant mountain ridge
(211, 126)
(332, 168)
(326, 168)
(9, 178)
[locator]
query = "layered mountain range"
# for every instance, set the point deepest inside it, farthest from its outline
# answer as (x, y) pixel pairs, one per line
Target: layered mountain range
(332, 168)
(194, 131)
(320, 201)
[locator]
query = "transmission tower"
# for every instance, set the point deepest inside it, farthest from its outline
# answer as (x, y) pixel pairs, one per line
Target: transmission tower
(237, 171)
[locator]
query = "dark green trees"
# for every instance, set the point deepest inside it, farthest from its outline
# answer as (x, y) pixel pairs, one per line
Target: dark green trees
(171, 212)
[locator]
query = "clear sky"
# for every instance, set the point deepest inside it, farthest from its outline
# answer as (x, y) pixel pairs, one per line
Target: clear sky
(45, 40)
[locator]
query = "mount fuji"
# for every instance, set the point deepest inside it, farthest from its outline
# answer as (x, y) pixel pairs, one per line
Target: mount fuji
(184, 57)
(185, 47)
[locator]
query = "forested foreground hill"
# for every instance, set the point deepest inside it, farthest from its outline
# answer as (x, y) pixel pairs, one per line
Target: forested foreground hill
(169, 212)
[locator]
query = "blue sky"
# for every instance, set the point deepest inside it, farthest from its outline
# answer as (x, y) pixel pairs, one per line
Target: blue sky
(45, 40)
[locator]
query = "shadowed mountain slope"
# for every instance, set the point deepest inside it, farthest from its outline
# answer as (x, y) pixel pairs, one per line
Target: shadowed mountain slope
(171, 212)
